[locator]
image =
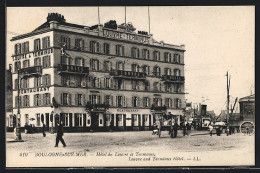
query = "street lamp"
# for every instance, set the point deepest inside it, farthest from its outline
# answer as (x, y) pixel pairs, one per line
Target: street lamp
(18, 136)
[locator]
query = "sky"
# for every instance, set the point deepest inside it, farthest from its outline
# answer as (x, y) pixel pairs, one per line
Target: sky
(217, 39)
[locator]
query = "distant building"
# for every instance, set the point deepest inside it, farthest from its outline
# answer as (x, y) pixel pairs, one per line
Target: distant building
(247, 107)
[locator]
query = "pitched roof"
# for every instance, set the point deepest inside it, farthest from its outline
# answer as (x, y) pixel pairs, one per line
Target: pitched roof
(247, 98)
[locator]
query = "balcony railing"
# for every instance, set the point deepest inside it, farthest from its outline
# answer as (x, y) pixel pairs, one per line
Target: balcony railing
(171, 78)
(158, 108)
(72, 69)
(128, 74)
(31, 71)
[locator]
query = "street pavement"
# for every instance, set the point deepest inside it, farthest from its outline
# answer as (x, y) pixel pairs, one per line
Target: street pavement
(236, 149)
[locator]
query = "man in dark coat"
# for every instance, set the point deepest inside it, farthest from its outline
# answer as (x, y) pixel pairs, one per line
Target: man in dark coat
(43, 130)
(175, 129)
(59, 135)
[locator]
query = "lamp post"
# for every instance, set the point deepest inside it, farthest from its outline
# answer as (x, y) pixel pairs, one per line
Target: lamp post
(52, 113)
(18, 136)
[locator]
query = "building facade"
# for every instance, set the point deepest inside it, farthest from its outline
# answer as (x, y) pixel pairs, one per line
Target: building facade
(93, 78)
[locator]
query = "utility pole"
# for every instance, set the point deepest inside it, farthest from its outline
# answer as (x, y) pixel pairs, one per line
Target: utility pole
(18, 136)
(228, 87)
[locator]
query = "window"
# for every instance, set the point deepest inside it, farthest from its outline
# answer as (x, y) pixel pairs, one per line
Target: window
(65, 98)
(168, 102)
(106, 48)
(167, 71)
(25, 83)
(157, 102)
(65, 60)
(119, 101)
(46, 81)
(95, 99)
(156, 56)
(66, 120)
(107, 65)
(79, 61)
(146, 85)
(135, 85)
(37, 81)
(26, 63)
(46, 99)
(135, 68)
(65, 42)
(146, 54)
(94, 64)
(177, 88)
(37, 44)
(17, 65)
(146, 102)
(46, 61)
(79, 44)
(177, 58)
(120, 50)
(167, 57)
(134, 52)
(120, 119)
(156, 86)
(17, 49)
(146, 69)
(18, 100)
(37, 100)
(135, 102)
(107, 82)
(25, 47)
(46, 42)
(37, 61)
(177, 103)
(78, 120)
(168, 87)
(156, 71)
(26, 101)
(177, 72)
(38, 120)
(120, 65)
(135, 119)
(107, 100)
(79, 99)
(94, 46)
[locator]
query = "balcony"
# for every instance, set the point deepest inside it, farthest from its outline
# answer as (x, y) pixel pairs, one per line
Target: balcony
(72, 69)
(96, 107)
(158, 108)
(128, 74)
(170, 78)
(31, 71)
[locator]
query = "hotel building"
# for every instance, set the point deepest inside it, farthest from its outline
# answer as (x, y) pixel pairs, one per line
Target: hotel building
(95, 77)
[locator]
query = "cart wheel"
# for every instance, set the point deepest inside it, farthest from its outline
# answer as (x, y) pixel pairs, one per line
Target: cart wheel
(247, 128)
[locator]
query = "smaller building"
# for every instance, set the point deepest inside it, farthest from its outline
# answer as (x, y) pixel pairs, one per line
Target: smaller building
(247, 107)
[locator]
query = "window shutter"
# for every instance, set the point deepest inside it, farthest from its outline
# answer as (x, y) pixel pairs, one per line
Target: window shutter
(98, 64)
(82, 44)
(83, 101)
(49, 79)
(132, 101)
(111, 83)
(91, 64)
(138, 102)
(124, 101)
(179, 103)
(44, 80)
(144, 101)
(69, 95)
(170, 57)
(90, 98)
(123, 66)
(99, 99)
(123, 51)
(137, 53)
(83, 62)
(116, 101)
(76, 99)
(148, 54)
(90, 46)
(159, 58)
(61, 99)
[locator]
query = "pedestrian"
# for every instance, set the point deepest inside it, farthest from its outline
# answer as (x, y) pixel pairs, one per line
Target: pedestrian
(218, 130)
(111, 126)
(210, 129)
(43, 130)
(175, 129)
(59, 135)
(227, 130)
(184, 127)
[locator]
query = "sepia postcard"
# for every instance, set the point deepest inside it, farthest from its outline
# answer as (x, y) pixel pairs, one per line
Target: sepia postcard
(130, 86)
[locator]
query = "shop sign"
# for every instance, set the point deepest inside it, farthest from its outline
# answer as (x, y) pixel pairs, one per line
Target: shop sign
(127, 110)
(126, 36)
(32, 90)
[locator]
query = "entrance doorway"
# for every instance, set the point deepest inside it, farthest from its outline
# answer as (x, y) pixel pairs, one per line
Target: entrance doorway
(94, 121)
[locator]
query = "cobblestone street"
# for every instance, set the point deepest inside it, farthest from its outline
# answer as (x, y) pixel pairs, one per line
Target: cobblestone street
(198, 145)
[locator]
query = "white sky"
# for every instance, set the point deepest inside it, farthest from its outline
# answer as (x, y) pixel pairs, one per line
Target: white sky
(217, 40)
